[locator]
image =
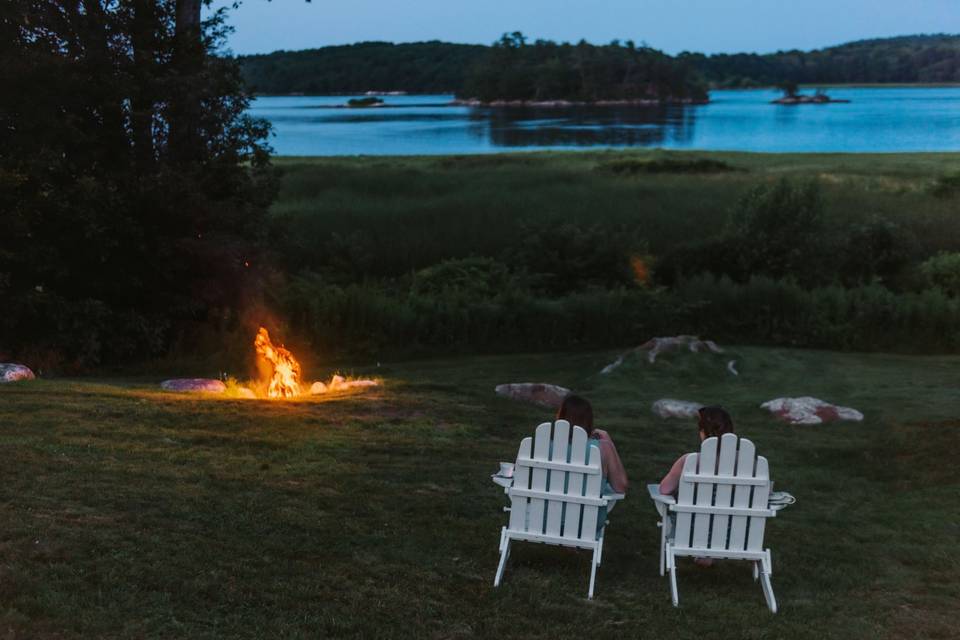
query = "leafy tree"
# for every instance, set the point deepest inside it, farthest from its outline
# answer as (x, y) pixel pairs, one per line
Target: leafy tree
(133, 186)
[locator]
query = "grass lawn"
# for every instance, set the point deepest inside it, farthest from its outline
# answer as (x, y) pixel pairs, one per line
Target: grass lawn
(127, 512)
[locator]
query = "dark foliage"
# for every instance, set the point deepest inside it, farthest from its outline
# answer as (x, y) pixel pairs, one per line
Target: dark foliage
(779, 230)
(133, 186)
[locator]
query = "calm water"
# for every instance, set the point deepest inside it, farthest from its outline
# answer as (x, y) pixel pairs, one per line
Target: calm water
(895, 119)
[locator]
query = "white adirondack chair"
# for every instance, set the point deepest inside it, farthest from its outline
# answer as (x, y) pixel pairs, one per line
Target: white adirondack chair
(721, 510)
(556, 496)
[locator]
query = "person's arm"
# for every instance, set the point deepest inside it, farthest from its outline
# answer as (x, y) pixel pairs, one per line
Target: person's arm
(613, 466)
(670, 482)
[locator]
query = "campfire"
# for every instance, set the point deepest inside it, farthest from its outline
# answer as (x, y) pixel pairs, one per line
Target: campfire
(285, 377)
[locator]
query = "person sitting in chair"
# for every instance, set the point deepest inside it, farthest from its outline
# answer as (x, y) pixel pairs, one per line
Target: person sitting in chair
(713, 422)
(578, 412)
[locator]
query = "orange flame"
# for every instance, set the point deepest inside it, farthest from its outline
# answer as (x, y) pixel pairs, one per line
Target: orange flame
(285, 380)
(641, 270)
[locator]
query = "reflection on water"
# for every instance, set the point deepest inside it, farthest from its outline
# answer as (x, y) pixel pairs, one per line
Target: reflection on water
(896, 119)
(587, 127)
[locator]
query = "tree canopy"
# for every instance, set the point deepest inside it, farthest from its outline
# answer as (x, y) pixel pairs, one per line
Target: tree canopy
(133, 186)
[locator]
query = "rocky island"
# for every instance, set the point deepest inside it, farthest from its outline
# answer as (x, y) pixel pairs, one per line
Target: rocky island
(791, 97)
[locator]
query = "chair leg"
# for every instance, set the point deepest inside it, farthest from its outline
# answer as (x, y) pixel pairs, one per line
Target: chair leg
(594, 563)
(674, 594)
(504, 554)
(672, 568)
(756, 570)
(768, 591)
(663, 547)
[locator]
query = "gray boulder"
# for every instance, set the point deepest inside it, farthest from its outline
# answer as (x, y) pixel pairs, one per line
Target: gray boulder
(670, 408)
(546, 395)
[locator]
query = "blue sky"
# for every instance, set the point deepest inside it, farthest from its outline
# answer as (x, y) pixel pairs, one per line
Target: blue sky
(672, 25)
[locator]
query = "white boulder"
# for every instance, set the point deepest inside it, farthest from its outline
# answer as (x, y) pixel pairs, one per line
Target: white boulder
(11, 372)
(809, 410)
(193, 385)
(339, 383)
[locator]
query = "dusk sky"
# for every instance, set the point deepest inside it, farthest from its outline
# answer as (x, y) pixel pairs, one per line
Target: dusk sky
(672, 25)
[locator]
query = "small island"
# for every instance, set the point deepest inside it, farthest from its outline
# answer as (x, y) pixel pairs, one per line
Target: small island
(369, 101)
(514, 72)
(792, 96)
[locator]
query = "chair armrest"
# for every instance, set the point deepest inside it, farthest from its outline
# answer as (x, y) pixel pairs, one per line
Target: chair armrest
(656, 496)
(660, 501)
(613, 497)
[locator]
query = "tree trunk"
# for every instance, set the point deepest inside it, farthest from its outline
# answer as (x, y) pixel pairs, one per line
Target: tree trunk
(144, 39)
(92, 32)
(187, 64)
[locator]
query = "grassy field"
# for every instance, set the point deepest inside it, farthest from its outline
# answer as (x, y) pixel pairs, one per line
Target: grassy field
(130, 513)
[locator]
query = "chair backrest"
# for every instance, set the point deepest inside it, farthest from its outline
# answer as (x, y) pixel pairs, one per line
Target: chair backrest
(556, 484)
(722, 497)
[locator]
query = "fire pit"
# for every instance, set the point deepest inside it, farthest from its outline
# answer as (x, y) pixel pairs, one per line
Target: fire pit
(281, 379)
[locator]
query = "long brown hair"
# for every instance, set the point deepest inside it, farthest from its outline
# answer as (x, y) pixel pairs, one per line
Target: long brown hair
(714, 421)
(578, 411)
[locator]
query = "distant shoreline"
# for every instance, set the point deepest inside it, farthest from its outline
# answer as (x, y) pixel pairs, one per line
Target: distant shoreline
(858, 85)
(572, 103)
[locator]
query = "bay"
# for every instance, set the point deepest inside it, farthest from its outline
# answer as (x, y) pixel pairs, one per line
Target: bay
(877, 119)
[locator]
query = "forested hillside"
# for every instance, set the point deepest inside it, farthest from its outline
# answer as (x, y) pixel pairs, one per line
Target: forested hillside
(431, 67)
(925, 58)
(418, 67)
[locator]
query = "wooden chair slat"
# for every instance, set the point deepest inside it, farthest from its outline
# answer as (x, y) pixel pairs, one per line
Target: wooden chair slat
(558, 477)
(723, 497)
(703, 492)
(538, 477)
(741, 495)
(685, 496)
(521, 479)
(761, 496)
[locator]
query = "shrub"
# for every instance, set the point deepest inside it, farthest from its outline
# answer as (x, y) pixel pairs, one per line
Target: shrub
(943, 271)
(946, 186)
(632, 166)
(781, 231)
(567, 257)
(476, 278)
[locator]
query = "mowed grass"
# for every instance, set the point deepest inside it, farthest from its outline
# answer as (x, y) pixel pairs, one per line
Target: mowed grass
(394, 214)
(131, 513)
